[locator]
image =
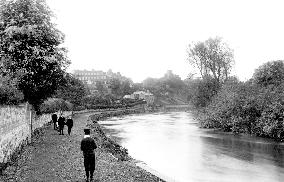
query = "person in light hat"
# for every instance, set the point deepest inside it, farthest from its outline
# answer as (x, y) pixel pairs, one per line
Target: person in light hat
(88, 145)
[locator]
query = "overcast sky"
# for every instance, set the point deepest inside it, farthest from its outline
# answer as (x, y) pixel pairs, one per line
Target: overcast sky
(145, 38)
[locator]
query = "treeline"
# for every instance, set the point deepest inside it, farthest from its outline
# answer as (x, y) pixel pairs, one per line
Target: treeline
(254, 107)
(169, 89)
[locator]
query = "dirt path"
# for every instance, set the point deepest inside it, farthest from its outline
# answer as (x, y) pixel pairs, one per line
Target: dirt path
(54, 157)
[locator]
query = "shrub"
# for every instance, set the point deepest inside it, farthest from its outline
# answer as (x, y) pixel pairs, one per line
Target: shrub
(54, 105)
(247, 108)
(270, 123)
(233, 108)
(202, 91)
(270, 73)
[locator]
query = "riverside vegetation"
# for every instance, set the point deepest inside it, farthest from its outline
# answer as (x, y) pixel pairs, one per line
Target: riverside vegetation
(253, 107)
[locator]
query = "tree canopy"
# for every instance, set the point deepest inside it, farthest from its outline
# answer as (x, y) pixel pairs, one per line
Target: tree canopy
(213, 58)
(30, 48)
(270, 73)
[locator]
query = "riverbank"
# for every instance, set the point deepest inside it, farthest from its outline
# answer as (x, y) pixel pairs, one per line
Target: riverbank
(117, 151)
(54, 157)
(207, 121)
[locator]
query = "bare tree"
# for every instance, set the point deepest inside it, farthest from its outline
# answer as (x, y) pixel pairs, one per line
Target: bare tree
(212, 58)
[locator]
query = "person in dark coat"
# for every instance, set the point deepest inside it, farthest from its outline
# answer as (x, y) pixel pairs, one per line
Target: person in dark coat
(88, 145)
(69, 124)
(61, 123)
(54, 120)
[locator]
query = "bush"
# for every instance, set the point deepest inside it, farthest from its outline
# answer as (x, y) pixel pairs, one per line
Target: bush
(270, 73)
(202, 91)
(270, 123)
(54, 105)
(247, 108)
(9, 94)
(234, 108)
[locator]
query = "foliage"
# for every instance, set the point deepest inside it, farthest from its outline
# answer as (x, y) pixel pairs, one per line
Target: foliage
(98, 100)
(270, 73)
(201, 91)
(271, 123)
(212, 58)
(30, 49)
(54, 104)
(251, 107)
(154, 85)
(9, 94)
(72, 90)
(100, 87)
(233, 108)
(119, 87)
(169, 88)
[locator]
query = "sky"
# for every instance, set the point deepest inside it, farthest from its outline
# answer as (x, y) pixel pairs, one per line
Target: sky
(145, 38)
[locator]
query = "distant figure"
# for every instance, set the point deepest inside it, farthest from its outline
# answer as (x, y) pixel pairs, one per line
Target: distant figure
(88, 146)
(54, 120)
(61, 123)
(69, 124)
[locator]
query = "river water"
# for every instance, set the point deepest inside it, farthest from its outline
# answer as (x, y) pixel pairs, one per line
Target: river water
(174, 145)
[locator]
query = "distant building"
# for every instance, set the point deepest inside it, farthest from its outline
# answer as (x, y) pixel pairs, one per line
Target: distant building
(91, 77)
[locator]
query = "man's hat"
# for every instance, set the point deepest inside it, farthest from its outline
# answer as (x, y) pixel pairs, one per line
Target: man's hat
(87, 131)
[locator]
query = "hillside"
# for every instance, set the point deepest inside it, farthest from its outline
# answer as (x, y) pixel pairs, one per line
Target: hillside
(170, 99)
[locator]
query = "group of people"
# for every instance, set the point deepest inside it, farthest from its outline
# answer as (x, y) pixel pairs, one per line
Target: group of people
(88, 144)
(59, 123)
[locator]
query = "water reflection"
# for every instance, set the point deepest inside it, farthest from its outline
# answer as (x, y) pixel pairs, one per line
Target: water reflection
(172, 144)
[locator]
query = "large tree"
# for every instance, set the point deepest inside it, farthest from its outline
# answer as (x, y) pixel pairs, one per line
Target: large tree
(30, 48)
(213, 58)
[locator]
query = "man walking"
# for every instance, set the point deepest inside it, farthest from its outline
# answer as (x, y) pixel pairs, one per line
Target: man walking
(88, 146)
(61, 123)
(54, 119)
(69, 124)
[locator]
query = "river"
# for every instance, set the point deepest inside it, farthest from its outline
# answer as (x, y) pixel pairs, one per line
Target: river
(174, 145)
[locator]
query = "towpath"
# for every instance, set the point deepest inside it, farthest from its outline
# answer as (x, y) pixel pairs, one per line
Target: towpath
(54, 157)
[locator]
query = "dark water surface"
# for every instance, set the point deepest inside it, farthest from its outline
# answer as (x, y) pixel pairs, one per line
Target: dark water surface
(173, 145)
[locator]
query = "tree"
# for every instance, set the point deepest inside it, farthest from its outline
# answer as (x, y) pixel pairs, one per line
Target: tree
(72, 90)
(202, 91)
(120, 87)
(100, 87)
(212, 58)
(271, 73)
(30, 49)
(115, 86)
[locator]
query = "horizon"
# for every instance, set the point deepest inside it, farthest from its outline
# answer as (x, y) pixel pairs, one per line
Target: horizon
(145, 39)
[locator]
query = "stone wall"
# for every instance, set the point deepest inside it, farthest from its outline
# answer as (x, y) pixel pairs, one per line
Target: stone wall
(14, 130)
(17, 124)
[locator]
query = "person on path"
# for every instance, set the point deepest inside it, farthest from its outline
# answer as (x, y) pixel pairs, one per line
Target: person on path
(54, 120)
(69, 124)
(61, 123)
(88, 145)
